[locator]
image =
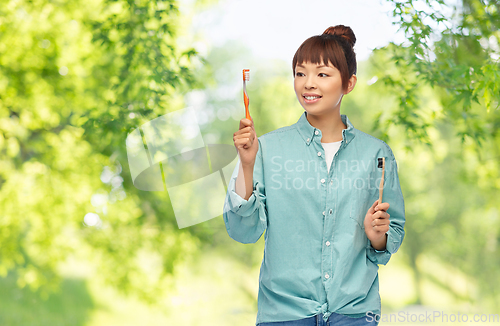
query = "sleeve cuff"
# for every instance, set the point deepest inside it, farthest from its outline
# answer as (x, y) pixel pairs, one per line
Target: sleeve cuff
(239, 205)
(380, 257)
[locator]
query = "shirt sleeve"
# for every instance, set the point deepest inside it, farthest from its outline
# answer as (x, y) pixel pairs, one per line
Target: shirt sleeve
(246, 220)
(393, 196)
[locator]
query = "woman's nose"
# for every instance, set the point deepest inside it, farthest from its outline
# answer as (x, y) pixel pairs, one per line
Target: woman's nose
(310, 83)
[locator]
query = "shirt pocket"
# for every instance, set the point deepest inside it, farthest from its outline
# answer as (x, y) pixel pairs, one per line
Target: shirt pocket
(360, 203)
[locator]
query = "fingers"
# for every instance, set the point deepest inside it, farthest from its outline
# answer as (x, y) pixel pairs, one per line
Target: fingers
(245, 136)
(378, 208)
(246, 123)
(246, 130)
(381, 215)
(381, 228)
(243, 133)
(381, 207)
(372, 209)
(381, 221)
(244, 141)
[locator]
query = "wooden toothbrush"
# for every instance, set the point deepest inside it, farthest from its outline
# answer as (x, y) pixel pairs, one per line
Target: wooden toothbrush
(381, 164)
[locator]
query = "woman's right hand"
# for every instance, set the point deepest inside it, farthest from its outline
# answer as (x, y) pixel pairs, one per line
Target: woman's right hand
(246, 142)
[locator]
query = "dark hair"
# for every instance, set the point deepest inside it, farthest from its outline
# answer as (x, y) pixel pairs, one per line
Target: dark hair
(334, 46)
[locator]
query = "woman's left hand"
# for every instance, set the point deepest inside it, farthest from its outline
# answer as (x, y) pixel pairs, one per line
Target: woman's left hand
(377, 221)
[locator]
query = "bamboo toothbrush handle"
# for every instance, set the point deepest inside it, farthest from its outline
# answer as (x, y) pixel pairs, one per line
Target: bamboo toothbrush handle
(381, 188)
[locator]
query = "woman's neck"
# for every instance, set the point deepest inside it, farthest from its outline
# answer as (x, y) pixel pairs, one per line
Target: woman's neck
(331, 126)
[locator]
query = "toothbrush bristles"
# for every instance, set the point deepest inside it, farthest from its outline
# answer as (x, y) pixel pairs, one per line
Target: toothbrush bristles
(246, 74)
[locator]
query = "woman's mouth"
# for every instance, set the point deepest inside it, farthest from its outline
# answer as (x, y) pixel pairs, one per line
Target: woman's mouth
(311, 99)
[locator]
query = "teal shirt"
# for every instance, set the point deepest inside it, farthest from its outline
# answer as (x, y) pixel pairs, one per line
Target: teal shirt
(317, 257)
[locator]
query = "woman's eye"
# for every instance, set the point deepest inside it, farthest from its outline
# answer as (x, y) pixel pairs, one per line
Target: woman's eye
(323, 74)
(299, 74)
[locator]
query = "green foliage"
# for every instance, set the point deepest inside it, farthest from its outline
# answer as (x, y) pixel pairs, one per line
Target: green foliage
(458, 54)
(75, 78)
(444, 81)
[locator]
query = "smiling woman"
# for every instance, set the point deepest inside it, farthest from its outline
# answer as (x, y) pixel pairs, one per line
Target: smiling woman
(326, 230)
(324, 68)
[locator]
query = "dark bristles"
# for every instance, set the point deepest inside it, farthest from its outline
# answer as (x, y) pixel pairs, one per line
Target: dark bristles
(380, 162)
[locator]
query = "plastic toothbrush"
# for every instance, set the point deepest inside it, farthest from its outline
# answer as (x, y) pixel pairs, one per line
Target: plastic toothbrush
(246, 77)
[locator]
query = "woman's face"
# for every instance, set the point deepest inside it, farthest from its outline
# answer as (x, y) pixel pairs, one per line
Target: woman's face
(318, 87)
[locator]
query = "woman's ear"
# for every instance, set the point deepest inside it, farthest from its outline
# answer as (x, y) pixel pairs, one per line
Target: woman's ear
(351, 84)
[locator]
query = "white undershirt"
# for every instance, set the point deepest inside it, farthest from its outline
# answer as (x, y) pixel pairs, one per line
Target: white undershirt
(330, 150)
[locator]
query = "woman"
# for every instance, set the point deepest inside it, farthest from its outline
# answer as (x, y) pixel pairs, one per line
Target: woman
(313, 187)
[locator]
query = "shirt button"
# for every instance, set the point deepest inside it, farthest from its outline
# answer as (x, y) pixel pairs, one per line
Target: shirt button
(308, 139)
(322, 180)
(331, 211)
(316, 132)
(327, 243)
(323, 213)
(327, 276)
(319, 153)
(331, 182)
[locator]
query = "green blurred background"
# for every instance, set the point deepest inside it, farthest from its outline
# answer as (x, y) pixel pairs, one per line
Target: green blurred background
(77, 76)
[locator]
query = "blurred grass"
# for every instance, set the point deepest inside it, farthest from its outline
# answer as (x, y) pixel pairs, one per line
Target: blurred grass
(70, 307)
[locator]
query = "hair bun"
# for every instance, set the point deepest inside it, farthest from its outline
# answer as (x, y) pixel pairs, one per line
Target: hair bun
(344, 31)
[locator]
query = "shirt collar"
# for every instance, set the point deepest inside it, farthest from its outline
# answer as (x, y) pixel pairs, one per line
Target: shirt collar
(308, 132)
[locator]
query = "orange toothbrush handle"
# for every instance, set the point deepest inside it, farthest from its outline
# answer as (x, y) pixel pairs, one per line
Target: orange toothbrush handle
(247, 101)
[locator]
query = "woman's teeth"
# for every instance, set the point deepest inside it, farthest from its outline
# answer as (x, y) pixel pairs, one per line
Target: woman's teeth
(311, 97)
